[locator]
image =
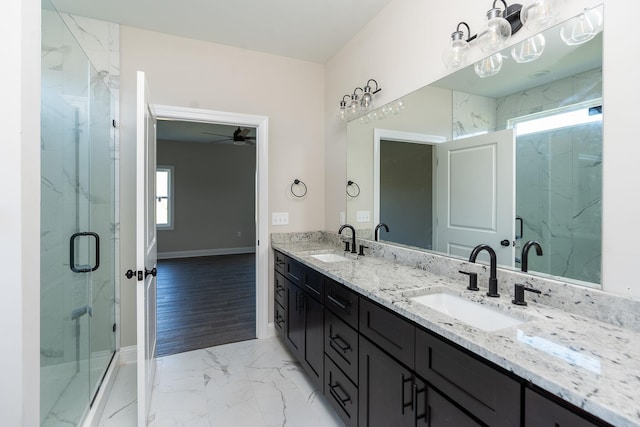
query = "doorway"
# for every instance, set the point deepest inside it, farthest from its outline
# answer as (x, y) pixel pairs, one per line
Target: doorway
(258, 142)
(205, 217)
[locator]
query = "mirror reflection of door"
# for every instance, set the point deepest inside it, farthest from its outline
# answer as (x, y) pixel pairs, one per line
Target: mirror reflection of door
(476, 195)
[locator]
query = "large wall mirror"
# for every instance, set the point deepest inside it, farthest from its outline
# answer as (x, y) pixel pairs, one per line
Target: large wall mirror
(500, 160)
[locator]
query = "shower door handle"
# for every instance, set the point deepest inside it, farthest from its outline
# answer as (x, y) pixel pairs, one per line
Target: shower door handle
(72, 252)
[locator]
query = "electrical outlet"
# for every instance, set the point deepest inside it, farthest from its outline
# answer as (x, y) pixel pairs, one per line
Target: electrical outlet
(279, 218)
(239, 234)
(363, 216)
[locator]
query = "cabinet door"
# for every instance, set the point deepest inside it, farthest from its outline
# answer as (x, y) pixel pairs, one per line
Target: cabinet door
(294, 320)
(313, 361)
(543, 412)
(386, 389)
(442, 413)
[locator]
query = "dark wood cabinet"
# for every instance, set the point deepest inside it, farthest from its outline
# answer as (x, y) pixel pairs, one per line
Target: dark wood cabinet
(376, 368)
(489, 394)
(341, 393)
(541, 411)
(388, 330)
(388, 392)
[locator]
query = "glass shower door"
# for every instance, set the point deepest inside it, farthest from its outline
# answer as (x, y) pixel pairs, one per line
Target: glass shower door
(77, 227)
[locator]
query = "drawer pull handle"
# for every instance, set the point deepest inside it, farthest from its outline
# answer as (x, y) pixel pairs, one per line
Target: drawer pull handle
(410, 404)
(342, 344)
(312, 289)
(342, 304)
(334, 393)
(279, 289)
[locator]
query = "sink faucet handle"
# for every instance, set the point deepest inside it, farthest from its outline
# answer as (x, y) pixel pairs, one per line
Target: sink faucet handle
(519, 289)
(346, 246)
(362, 248)
(473, 280)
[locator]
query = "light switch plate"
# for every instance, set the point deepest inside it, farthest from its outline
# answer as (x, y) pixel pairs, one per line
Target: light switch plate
(363, 216)
(279, 218)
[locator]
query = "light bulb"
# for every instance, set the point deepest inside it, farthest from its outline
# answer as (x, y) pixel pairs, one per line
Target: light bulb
(582, 28)
(489, 66)
(455, 56)
(367, 100)
(353, 109)
(528, 50)
(538, 15)
(341, 113)
(497, 34)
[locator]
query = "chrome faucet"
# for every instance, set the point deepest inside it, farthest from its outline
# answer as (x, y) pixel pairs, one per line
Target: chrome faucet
(524, 259)
(375, 233)
(493, 280)
(353, 236)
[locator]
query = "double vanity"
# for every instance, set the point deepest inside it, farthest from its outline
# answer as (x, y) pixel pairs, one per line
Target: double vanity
(394, 337)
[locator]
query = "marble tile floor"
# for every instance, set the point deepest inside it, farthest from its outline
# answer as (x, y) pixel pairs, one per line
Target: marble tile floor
(252, 383)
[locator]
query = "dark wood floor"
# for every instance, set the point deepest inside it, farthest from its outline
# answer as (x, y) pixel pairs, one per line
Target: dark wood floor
(205, 301)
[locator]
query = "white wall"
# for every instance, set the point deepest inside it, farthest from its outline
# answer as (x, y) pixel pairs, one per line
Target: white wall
(20, 213)
(196, 74)
(402, 48)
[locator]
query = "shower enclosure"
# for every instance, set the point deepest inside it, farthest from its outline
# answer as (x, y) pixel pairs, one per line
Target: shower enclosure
(77, 305)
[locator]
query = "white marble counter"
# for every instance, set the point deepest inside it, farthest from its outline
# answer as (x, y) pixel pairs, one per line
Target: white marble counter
(589, 363)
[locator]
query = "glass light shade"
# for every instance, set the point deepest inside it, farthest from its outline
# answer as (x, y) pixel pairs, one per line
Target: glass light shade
(353, 108)
(341, 113)
(528, 50)
(538, 15)
(366, 104)
(489, 66)
(582, 28)
(455, 56)
(497, 33)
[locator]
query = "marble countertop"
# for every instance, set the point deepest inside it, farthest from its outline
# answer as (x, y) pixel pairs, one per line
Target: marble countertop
(591, 364)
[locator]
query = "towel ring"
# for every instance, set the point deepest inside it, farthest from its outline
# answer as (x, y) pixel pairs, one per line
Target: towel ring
(298, 182)
(355, 193)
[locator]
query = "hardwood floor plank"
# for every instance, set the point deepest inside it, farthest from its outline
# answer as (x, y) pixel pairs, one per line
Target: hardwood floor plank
(205, 301)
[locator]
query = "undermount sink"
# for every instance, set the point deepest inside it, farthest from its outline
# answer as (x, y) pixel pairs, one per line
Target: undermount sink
(472, 313)
(329, 257)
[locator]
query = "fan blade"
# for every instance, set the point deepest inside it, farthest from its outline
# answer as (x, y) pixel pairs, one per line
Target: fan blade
(215, 134)
(244, 132)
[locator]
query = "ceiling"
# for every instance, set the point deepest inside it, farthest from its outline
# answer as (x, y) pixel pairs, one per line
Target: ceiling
(181, 131)
(310, 30)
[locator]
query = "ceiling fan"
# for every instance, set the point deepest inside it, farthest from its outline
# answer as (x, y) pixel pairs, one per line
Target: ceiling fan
(239, 137)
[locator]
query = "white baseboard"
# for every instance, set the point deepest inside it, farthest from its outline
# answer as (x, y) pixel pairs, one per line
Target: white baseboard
(206, 252)
(271, 330)
(128, 355)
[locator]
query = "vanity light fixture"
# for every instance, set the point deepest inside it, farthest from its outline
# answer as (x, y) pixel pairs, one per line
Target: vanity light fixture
(582, 28)
(351, 106)
(455, 56)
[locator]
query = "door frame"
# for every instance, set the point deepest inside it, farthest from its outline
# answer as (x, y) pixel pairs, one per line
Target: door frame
(261, 123)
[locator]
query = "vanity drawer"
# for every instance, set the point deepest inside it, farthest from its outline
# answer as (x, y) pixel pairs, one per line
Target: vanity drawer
(341, 393)
(342, 302)
(278, 318)
(313, 283)
(293, 270)
(341, 345)
(388, 330)
(540, 411)
(279, 288)
(484, 391)
(279, 262)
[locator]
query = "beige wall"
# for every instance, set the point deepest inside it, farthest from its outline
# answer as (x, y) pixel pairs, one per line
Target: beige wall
(402, 48)
(190, 73)
(214, 196)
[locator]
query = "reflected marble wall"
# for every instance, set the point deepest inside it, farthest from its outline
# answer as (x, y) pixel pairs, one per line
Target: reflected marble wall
(472, 114)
